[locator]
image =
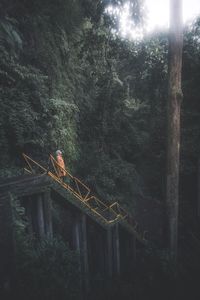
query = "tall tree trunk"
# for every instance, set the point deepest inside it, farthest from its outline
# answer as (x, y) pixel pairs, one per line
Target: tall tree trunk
(174, 104)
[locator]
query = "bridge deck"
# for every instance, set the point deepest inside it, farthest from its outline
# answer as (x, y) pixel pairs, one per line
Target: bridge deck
(103, 213)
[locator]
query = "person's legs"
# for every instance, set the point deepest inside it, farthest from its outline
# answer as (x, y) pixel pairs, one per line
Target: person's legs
(66, 179)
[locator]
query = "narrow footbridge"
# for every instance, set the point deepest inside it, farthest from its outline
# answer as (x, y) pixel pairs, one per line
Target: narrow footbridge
(100, 210)
(105, 235)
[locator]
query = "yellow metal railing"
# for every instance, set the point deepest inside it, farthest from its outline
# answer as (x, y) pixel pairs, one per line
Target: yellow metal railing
(107, 213)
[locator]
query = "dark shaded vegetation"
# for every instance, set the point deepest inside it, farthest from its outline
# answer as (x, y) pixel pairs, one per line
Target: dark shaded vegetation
(45, 269)
(67, 82)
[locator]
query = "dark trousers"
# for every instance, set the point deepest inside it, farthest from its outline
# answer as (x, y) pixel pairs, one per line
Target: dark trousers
(65, 179)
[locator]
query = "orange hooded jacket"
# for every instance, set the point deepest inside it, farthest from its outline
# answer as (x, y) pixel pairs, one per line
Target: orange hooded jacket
(61, 164)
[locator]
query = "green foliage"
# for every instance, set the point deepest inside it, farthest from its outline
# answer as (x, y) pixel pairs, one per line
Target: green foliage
(63, 127)
(67, 82)
(190, 105)
(9, 35)
(35, 119)
(46, 269)
(58, 84)
(120, 139)
(49, 270)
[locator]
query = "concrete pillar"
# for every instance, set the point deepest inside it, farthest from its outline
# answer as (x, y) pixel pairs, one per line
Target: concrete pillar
(116, 249)
(109, 253)
(131, 255)
(40, 216)
(48, 214)
(77, 248)
(198, 187)
(8, 276)
(134, 249)
(76, 235)
(29, 214)
(84, 253)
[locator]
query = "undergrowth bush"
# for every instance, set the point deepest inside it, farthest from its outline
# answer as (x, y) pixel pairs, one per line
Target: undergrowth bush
(46, 269)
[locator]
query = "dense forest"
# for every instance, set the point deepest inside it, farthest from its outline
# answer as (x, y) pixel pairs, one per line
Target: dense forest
(69, 81)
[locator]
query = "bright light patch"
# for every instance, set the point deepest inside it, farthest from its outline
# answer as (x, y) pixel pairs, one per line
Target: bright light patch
(127, 27)
(191, 9)
(157, 13)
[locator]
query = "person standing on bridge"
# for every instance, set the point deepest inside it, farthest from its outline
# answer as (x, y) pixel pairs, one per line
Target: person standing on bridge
(60, 165)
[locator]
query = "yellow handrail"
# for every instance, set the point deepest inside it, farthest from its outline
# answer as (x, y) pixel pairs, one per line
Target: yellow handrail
(83, 193)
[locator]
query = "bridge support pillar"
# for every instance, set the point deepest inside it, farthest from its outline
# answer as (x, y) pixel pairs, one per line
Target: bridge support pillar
(109, 253)
(198, 188)
(84, 253)
(116, 249)
(77, 234)
(7, 249)
(48, 214)
(77, 246)
(40, 216)
(134, 248)
(29, 208)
